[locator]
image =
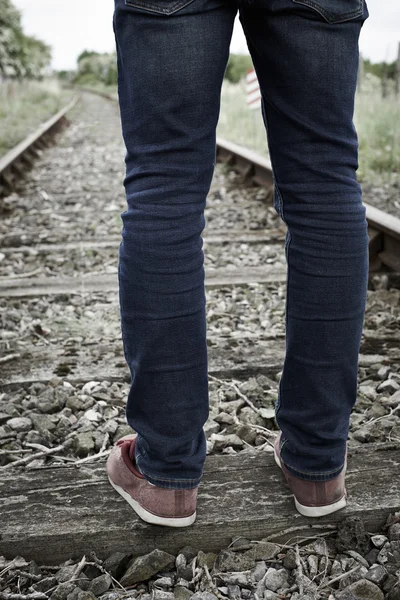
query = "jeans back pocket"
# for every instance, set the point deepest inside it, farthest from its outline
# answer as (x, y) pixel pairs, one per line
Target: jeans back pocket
(335, 11)
(162, 7)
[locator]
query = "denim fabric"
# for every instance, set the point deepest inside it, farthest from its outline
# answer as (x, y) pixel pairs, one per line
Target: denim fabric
(172, 55)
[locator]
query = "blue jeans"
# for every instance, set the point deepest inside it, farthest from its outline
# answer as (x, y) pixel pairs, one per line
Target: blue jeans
(172, 55)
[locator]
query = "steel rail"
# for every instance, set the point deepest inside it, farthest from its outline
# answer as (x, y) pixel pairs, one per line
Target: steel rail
(14, 164)
(383, 228)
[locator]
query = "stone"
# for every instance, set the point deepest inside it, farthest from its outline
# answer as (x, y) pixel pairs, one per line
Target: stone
(122, 431)
(144, 567)
(83, 443)
(382, 557)
(395, 399)
(162, 595)
(372, 556)
(204, 596)
(360, 590)
(116, 594)
(116, 564)
(394, 593)
(265, 550)
(45, 584)
(259, 571)
(6, 433)
(275, 579)
(224, 418)
(90, 386)
(221, 441)
(182, 593)
(388, 386)
(394, 532)
(183, 570)
(3, 418)
(289, 561)
(383, 372)
(42, 423)
(377, 574)
(164, 582)
(86, 595)
(100, 585)
(352, 536)
(92, 571)
(10, 410)
(234, 592)
(376, 411)
(50, 405)
(268, 595)
(189, 553)
(241, 578)
(393, 557)
(78, 403)
(390, 582)
(20, 424)
(62, 591)
(312, 561)
(379, 540)
(234, 561)
(368, 391)
(65, 573)
(246, 433)
(211, 427)
(353, 575)
(249, 417)
(207, 559)
(74, 594)
(360, 559)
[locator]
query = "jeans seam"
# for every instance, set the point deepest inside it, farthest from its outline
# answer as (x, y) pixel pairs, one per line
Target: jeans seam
(157, 8)
(281, 214)
(329, 15)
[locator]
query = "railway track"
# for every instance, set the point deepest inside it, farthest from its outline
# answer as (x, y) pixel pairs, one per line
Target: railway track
(64, 380)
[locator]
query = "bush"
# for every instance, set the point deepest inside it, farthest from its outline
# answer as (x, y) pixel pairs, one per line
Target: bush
(237, 67)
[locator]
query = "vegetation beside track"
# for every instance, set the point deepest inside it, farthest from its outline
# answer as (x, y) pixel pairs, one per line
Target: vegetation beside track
(24, 106)
(377, 121)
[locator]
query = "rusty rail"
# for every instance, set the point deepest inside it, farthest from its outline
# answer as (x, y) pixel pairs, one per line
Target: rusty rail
(14, 164)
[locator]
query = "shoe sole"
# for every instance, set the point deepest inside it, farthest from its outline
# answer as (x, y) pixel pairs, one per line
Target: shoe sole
(150, 517)
(314, 511)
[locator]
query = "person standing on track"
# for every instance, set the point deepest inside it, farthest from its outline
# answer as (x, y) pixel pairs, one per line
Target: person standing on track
(172, 56)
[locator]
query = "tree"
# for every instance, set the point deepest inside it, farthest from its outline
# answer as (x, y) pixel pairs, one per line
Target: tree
(95, 67)
(237, 67)
(20, 55)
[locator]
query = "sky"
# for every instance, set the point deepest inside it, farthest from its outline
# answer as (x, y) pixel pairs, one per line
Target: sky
(72, 26)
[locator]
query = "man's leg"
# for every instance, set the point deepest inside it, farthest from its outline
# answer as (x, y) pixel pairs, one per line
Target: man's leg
(172, 56)
(305, 53)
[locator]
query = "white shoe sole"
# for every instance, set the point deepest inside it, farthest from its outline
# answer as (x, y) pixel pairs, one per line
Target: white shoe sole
(314, 511)
(148, 516)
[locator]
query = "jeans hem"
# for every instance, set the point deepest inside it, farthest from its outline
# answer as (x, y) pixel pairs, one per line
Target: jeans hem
(309, 475)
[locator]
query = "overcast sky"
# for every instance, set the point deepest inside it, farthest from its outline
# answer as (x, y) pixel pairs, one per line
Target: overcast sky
(72, 26)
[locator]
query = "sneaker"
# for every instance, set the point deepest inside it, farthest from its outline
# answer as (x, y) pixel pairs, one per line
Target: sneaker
(314, 498)
(153, 504)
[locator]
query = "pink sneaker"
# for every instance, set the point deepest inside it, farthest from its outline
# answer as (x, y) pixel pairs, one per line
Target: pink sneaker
(153, 504)
(314, 498)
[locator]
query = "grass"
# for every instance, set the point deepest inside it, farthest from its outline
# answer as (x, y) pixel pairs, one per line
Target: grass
(377, 122)
(24, 106)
